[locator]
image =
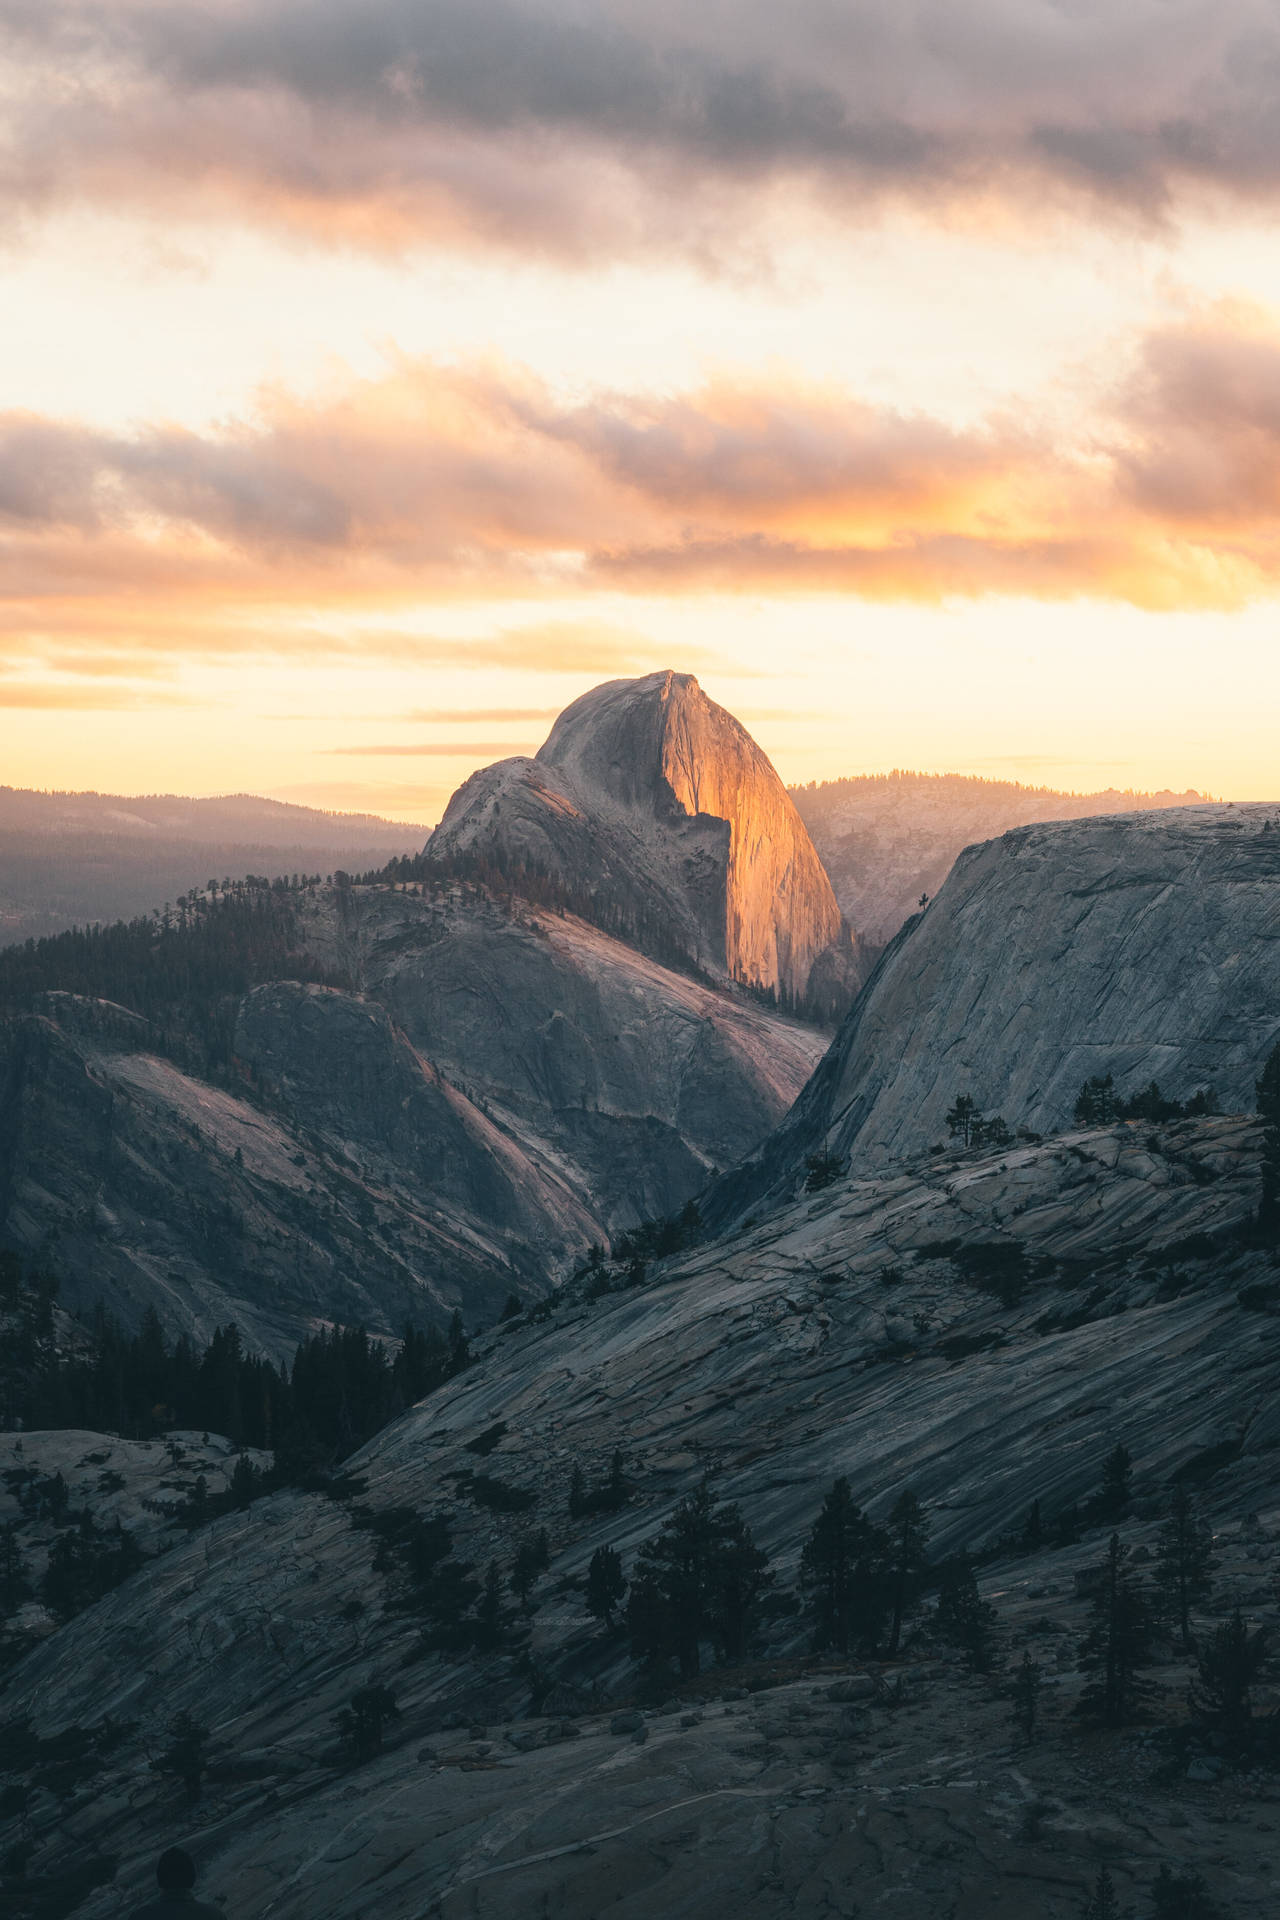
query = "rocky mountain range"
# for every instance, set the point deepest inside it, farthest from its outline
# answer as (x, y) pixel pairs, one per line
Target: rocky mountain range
(471, 1082)
(438, 1087)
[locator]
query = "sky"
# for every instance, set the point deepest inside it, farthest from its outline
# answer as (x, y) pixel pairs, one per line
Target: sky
(378, 375)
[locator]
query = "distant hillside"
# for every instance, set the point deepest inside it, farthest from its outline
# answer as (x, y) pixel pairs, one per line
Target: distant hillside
(886, 838)
(72, 859)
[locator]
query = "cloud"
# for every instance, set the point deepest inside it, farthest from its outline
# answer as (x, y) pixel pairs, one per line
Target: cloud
(629, 125)
(319, 528)
(56, 697)
(1204, 414)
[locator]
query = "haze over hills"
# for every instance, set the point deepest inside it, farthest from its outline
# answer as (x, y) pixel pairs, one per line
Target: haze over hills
(76, 859)
(886, 838)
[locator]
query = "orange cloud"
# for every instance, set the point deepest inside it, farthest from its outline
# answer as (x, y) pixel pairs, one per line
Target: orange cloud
(302, 529)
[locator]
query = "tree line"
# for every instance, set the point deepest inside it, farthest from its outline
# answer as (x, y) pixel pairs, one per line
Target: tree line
(1098, 1104)
(184, 969)
(342, 1386)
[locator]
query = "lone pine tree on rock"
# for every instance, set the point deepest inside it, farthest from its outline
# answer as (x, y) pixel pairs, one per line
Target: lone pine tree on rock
(962, 1117)
(963, 1617)
(360, 1724)
(1229, 1669)
(1182, 1896)
(1113, 1498)
(606, 1585)
(1103, 1905)
(1117, 1645)
(526, 1571)
(15, 1583)
(1184, 1561)
(842, 1572)
(1024, 1695)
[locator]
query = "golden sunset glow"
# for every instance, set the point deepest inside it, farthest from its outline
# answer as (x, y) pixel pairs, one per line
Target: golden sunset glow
(373, 380)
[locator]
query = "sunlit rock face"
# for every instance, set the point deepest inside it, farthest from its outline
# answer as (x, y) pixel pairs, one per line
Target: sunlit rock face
(655, 802)
(1142, 945)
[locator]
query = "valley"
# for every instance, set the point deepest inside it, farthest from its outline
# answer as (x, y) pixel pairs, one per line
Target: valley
(565, 1081)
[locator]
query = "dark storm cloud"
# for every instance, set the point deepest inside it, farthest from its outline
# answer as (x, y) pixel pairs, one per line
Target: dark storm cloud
(617, 125)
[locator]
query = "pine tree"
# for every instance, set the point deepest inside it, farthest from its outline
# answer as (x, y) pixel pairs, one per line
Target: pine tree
(488, 1629)
(962, 1117)
(360, 1724)
(459, 1346)
(907, 1558)
(1181, 1896)
(700, 1578)
(525, 1571)
(740, 1574)
(1117, 1644)
(1184, 1561)
(1032, 1528)
(577, 1493)
(1230, 1665)
(1115, 1494)
(244, 1482)
(1024, 1694)
(1097, 1105)
(15, 1584)
(1103, 1905)
(606, 1586)
(963, 1617)
(616, 1491)
(1267, 1090)
(842, 1571)
(822, 1170)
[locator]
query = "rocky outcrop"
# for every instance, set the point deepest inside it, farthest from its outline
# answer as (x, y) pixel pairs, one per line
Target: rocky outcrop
(841, 1335)
(638, 1081)
(139, 1185)
(885, 839)
(1143, 945)
(658, 811)
(509, 1087)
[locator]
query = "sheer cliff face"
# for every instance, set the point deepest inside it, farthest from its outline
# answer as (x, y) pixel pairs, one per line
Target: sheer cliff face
(1145, 945)
(653, 799)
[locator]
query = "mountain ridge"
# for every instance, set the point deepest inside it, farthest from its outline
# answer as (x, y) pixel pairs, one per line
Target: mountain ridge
(1144, 945)
(665, 799)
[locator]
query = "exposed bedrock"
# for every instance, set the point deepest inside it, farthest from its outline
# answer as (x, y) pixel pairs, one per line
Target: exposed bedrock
(655, 800)
(1142, 945)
